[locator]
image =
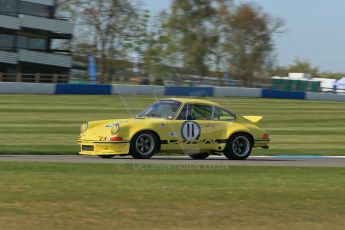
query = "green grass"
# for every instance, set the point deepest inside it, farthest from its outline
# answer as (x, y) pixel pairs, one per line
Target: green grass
(106, 196)
(50, 123)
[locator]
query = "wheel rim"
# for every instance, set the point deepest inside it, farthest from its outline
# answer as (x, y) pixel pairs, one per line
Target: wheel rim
(144, 144)
(241, 146)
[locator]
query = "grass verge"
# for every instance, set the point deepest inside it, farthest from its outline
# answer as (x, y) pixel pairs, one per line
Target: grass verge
(49, 124)
(103, 196)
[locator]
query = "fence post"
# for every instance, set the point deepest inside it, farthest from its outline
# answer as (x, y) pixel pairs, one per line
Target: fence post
(55, 78)
(1, 77)
(68, 78)
(87, 79)
(18, 77)
(37, 77)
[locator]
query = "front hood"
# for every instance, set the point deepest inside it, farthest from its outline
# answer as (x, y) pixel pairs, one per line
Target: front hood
(101, 130)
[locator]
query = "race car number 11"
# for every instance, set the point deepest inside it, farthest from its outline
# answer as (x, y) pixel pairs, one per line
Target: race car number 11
(190, 131)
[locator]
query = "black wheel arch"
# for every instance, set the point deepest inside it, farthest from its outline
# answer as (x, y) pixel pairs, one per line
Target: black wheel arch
(153, 132)
(251, 137)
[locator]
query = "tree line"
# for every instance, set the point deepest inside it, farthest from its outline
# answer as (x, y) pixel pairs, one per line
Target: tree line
(304, 66)
(192, 37)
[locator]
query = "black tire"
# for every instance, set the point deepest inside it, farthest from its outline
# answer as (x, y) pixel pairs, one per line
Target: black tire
(199, 156)
(239, 147)
(144, 145)
(106, 156)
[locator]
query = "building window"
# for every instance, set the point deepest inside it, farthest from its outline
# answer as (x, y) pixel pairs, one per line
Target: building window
(60, 45)
(9, 7)
(7, 41)
(34, 9)
(32, 43)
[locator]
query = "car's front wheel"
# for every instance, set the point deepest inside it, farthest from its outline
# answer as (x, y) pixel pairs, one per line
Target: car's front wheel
(199, 156)
(143, 145)
(239, 147)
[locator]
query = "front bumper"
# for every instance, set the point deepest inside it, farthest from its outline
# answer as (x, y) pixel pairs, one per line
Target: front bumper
(88, 147)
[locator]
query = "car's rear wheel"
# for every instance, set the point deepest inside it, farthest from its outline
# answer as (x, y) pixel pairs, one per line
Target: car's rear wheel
(239, 147)
(199, 156)
(106, 156)
(143, 145)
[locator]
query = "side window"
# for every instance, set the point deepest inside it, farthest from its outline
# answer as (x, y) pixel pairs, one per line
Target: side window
(195, 112)
(182, 115)
(199, 112)
(223, 115)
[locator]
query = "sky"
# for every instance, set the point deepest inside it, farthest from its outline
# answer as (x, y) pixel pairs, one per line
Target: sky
(314, 30)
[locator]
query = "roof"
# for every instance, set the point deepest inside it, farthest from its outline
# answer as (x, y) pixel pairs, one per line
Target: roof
(192, 100)
(340, 82)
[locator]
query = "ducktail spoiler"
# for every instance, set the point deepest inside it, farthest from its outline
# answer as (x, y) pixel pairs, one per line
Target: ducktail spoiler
(254, 119)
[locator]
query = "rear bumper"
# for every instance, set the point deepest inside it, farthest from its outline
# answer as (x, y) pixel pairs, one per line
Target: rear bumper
(103, 147)
(261, 143)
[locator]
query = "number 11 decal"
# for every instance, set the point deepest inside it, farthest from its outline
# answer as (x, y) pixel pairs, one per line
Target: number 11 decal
(190, 130)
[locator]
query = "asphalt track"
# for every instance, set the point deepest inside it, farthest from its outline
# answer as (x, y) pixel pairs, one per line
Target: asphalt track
(185, 161)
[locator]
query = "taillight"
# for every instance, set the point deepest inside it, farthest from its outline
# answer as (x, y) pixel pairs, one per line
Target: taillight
(266, 136)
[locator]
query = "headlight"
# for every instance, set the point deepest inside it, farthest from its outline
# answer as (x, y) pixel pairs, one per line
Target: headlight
(84, 127)
(115, 128)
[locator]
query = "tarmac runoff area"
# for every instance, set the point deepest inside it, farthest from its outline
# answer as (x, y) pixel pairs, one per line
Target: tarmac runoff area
(185, 161)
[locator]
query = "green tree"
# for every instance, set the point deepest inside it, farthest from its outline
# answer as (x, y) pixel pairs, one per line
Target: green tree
(249, 41)
(190, 40)
(218, 30)
(155, 55)
(138, 38)
(193, 37)
(299, 66)
(303, 66)
(103, 23)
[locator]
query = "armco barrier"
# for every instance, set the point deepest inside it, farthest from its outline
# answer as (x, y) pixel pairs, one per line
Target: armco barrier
(324, 97)
(26, 88)
(138, 90)
(83, 89)
(237, 92)
(189, 91)
(42, 88)
(269, 93)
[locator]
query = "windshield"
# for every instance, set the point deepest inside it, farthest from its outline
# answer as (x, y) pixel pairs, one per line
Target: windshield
(162, 109)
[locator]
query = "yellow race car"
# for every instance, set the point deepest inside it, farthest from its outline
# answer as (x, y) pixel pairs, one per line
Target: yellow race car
(198, 128)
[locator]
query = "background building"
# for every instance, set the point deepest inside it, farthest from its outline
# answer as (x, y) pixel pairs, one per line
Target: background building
(32, 39)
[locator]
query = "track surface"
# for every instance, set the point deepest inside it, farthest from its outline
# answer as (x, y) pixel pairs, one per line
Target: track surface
(184, 161)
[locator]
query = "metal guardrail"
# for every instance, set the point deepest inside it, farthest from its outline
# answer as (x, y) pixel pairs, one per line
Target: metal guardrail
(34, 78)
(63, 78)
(72, 79)
(84, 79)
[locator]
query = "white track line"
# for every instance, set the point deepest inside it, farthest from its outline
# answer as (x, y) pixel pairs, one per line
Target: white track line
(300, 156)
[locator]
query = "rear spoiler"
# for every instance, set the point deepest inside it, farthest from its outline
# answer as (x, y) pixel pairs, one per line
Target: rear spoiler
(254, 119)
